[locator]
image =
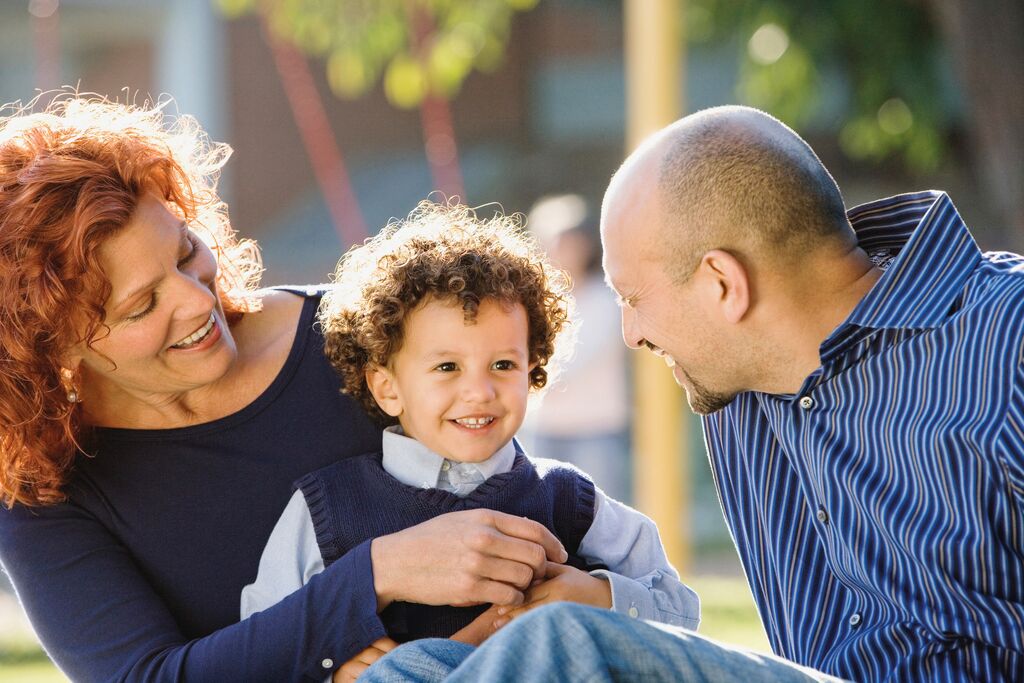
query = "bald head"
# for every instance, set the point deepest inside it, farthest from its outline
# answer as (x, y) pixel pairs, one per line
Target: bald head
(732, 178)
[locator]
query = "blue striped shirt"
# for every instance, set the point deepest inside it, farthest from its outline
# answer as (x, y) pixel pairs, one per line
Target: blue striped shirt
(879, 512)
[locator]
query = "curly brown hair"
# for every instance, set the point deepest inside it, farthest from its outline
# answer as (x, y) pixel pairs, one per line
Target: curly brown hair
(70, 178)
(441, 251)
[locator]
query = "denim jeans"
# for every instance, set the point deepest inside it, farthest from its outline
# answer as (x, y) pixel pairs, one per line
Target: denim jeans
(567, 643)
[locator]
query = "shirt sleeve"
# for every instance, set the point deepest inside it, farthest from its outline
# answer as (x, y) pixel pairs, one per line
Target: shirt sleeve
(644, 584)
(290, 559)
(100, 620)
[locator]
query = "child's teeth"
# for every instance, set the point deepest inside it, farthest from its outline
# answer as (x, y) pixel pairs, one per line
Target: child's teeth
(474, 422)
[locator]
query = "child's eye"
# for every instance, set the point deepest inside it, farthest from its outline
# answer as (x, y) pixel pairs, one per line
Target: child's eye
(447, 367)
(504, 365)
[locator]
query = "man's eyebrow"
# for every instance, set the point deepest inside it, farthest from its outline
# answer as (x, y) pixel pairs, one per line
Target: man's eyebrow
(183, 228)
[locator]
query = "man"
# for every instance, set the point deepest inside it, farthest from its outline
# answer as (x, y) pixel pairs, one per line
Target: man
(861, 378)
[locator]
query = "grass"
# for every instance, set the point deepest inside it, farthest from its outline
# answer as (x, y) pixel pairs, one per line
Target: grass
(727, 614)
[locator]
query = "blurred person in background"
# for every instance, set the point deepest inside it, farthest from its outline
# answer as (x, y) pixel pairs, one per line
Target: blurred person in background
(584, 417)
(155, 408)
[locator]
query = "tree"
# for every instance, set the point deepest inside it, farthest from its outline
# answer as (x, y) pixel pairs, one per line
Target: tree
(890, 54)
(418, 48)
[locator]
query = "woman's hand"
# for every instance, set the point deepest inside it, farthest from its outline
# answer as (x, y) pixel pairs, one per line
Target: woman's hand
(562, 584)
(463, 558)
(351, 670)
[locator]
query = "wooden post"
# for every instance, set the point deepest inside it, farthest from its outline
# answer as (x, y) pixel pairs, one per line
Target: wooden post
(654, 44)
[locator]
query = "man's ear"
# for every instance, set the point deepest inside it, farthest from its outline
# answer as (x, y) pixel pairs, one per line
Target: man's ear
(382, 386)
(728, 282)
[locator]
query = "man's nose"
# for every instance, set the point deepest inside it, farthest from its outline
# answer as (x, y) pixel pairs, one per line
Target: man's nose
(630, 334)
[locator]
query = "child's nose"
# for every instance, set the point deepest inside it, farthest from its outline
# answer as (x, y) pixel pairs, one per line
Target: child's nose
(478, 389)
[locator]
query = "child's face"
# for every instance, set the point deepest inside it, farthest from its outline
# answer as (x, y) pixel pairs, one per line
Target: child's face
(460, 389)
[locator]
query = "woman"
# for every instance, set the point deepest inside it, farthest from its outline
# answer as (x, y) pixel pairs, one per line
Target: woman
(154, 410)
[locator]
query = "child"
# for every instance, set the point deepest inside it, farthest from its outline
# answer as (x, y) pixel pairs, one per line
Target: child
(441, 326)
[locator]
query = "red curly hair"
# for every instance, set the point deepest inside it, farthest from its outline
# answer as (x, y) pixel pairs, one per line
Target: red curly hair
(70, 177)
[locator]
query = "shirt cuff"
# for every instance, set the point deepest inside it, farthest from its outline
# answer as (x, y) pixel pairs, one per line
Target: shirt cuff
(628, 597)
(633, 599)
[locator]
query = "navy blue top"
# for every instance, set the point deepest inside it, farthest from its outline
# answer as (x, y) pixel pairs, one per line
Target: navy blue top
(344, 505)
(879, 512)
(138, 575)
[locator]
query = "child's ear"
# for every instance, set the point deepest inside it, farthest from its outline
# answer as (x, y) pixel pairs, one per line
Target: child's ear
(382, 387)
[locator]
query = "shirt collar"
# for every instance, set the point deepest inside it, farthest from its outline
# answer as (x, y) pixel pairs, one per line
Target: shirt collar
(930, 254)
(412, 463)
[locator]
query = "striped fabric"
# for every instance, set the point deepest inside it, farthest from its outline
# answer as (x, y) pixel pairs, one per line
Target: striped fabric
(879, 512)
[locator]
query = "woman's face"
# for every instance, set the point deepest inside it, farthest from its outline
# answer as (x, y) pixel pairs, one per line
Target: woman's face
(168, 335)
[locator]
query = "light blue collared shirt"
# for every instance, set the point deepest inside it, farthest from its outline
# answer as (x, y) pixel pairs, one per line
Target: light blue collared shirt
(412, 463)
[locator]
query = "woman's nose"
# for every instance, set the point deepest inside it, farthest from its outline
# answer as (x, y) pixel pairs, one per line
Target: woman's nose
(194, 296)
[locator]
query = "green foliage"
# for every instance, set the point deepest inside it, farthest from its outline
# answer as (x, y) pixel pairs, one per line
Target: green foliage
(883, 53)
(416, 47)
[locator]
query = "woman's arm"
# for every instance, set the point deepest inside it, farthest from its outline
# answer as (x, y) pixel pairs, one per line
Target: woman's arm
(100, 620)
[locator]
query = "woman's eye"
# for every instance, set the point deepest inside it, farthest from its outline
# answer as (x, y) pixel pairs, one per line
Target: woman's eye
(504, 365)
(194, 244)
(139, 315)
(447, 367)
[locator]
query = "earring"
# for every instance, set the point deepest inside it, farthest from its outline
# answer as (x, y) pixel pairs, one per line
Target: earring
(68, 377)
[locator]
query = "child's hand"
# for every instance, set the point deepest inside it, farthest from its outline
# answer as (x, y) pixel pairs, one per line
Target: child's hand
(480, 629)
(350, 670)
(562, 583)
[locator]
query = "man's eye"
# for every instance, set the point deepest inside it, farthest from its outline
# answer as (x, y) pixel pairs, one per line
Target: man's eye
(447, 367)
(504, 365)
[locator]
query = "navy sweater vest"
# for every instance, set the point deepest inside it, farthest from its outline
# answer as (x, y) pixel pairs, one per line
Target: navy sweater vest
(355, 499)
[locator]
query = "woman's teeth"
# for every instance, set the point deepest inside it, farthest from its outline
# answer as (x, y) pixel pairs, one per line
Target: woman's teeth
(475, 422)
(196, 336)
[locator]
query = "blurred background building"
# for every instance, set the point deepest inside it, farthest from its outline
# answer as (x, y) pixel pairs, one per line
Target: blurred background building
(895, 95)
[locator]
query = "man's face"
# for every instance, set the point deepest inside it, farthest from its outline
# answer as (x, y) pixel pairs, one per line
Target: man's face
(671, 319)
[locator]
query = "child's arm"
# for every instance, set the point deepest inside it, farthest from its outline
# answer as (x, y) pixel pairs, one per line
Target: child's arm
(643, 584)
(290, 558)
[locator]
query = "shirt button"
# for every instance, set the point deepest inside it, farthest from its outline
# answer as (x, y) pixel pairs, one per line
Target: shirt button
(446, 466)
(634, 612)
(822, 515)
(855, 619)
(327, 664)
(806, 402)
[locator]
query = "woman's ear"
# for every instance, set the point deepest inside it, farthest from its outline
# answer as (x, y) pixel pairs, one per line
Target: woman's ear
(382, 386)
(729, 284)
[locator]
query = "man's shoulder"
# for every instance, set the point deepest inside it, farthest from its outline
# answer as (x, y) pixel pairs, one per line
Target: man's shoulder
(993, 302)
